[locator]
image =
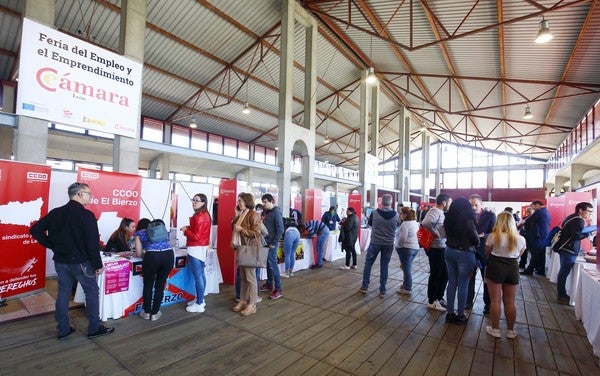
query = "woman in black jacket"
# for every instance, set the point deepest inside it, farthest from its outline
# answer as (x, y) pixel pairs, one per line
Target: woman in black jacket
(348, 235)
(461, 242)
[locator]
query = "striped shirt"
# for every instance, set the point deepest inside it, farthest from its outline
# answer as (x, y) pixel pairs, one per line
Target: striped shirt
(315, 227)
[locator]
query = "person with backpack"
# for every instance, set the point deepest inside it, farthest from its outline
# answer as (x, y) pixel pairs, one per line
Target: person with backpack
(197, 235)
(573, 230)
(152, 243)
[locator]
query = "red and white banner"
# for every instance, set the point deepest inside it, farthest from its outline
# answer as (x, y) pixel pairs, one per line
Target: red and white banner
(115, 196)
(228, 191)
(67, 80)
(23, 200)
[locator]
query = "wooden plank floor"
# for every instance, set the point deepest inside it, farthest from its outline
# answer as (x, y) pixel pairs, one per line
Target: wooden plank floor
(321, 326)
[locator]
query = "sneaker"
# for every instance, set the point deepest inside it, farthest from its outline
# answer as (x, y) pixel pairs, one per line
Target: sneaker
(564, 300)
(156, 316)
(237, 299)
(511, 334)
(442, 302)
(265, 288)
(437, 306)
(285, 275)
(258, 299)
(460, 319)
(64, 336)
(290, 274)
(450, 317)
(494, 332)
(316, 266)
(382, 294)
(102, 331)
(144, 315)
(402, 291)
(345, 267)
(363, 291)
(276, 294)
(353, 267)
(199, 308)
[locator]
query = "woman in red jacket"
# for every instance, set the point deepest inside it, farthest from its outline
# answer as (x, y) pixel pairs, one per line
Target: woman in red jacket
(198, 236)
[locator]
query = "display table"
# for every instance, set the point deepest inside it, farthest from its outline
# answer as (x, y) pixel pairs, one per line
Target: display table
(587, 306)
(573, 278)
(180, 285)
(365, 238)
(333, 249)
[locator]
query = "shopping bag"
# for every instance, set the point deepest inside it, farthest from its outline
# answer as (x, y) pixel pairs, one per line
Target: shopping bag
(253, 256)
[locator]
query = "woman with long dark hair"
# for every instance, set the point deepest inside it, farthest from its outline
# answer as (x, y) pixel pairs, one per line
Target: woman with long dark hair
(461, 242)
(122, 239)
(197, 235)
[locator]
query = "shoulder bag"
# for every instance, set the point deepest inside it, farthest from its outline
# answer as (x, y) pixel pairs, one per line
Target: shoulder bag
(252, 255)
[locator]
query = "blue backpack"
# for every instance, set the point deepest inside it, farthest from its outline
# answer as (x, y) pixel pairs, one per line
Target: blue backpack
(157, 231)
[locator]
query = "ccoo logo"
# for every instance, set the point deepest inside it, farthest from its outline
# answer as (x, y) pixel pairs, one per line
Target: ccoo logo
(89, 175)
(39, 176)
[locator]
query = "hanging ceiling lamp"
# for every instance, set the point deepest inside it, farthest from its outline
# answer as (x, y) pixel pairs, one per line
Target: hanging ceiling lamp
(528, 114)
(544, 34)
(246, 108)
(371, 77)
(193, 123)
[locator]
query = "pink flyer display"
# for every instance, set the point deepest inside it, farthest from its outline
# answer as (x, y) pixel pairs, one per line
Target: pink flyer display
(116, 274)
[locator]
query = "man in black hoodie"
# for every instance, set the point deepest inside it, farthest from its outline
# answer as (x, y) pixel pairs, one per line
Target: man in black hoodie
(273, 221)
(383, 227)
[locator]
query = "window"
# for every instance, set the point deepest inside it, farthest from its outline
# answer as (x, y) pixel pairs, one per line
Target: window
(516, 178)
(449, 180)
(199, 140)
(464, 179)
(465, 159)
(270, 157)
(433, 156)
(500, 179)
(535, 178)
(480, 158)
(388, 181)
(480, 179)
(180, 136)
(416, 160)
(215, 144)
(259, 154)
(500, 160)
(449, 157)
(243, 150)
(152, 130)
(230, 148)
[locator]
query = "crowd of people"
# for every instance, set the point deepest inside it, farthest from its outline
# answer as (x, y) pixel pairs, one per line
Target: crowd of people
(466, 239)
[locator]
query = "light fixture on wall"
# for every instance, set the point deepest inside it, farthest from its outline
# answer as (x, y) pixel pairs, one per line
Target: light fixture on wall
(326, 140)
(528, 114)
(193, 123)
(544, 34)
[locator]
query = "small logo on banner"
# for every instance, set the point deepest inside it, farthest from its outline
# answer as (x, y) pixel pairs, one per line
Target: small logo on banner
(89, 175)
(224, 191)
(36, 176)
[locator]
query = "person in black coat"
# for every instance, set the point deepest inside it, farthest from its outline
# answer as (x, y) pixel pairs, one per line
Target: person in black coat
(348, 235)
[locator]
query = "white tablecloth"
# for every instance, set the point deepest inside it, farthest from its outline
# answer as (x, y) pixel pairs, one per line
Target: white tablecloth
(573, 278)
(365, 238)
(180, 287)
(333, 248)
(587, 306)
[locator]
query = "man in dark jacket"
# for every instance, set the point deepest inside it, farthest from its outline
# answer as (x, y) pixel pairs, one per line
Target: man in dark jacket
(349, 233)
(538, 226)
(484, 222)
(273, 221)
(71, 231)
(573, 230)
(383, 223)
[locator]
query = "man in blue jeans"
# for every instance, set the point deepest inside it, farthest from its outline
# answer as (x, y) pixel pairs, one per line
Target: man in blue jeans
(383, 226)
(71, 231)
(573, 230)
(311, 228)
(273, 221)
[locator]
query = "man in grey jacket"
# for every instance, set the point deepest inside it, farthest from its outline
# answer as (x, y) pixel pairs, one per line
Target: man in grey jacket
(438, 274)
(273, 221)
(383, 226)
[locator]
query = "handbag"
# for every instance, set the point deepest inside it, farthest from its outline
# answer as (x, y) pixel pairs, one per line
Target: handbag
(253, 256)
(425, 238)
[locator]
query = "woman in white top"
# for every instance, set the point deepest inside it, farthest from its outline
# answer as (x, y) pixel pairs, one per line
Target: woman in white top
(503, 248)
(407, 246)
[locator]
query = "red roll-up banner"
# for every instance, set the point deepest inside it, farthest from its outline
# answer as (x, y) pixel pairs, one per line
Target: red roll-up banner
(24, 191)
(115, 196)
